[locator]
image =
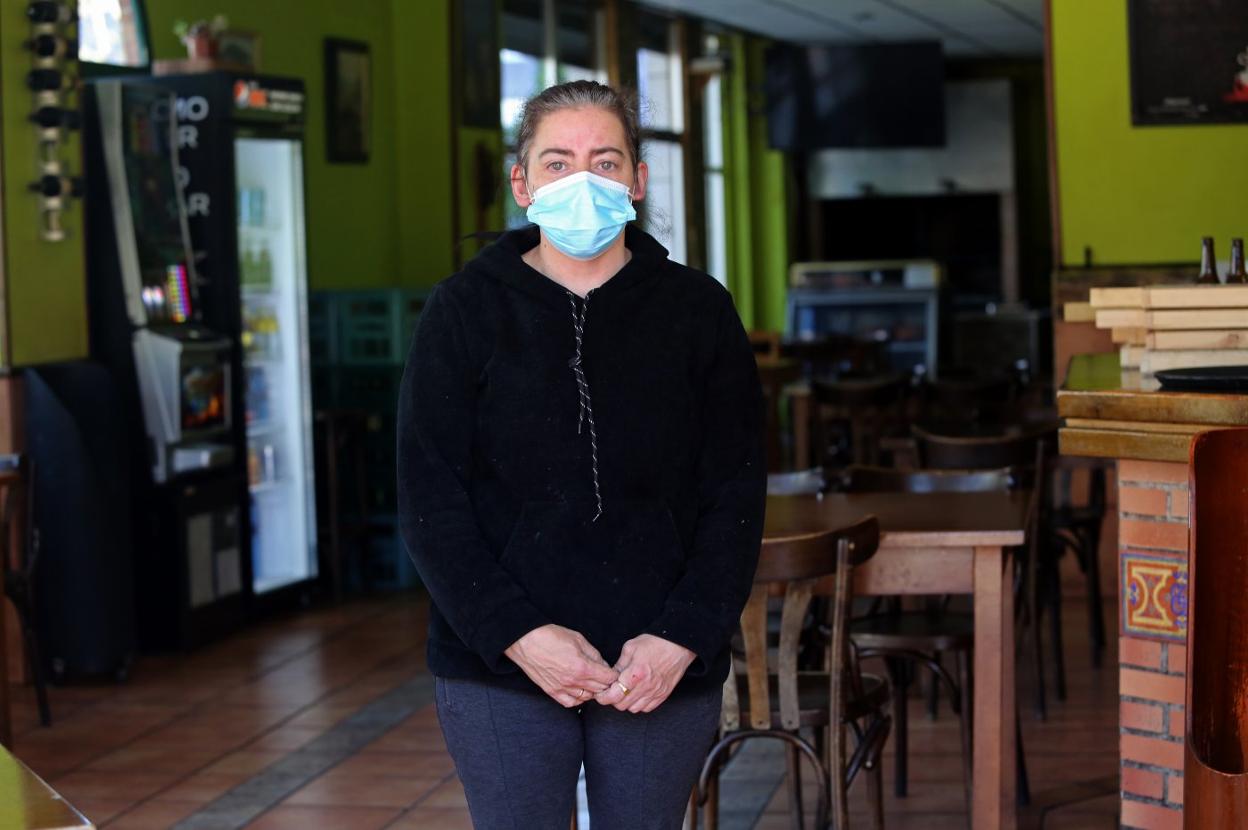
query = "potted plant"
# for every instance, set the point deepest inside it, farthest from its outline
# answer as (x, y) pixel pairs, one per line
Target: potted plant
(200, 36)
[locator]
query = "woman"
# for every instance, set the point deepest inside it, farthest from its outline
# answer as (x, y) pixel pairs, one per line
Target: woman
(581, 487)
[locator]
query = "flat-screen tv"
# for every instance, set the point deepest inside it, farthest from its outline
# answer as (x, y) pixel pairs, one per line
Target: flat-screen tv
(868, 95)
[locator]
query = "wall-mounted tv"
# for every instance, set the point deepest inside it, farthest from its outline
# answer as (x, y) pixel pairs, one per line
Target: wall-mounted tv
(860, 95)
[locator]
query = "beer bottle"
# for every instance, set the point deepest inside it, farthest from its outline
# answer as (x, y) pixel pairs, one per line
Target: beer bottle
(1208, 265)
(1237, 274)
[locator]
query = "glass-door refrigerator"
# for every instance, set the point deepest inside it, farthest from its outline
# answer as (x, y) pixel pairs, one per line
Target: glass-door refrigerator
(241, 143)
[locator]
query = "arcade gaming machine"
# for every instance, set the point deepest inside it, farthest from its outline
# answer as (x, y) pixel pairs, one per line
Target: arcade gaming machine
(175, 375)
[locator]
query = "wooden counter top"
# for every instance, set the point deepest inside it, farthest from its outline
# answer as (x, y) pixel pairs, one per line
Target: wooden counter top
(1111, 414)
(27, 803)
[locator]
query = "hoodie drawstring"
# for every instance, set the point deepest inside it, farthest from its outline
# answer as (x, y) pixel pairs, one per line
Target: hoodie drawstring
(586, 414)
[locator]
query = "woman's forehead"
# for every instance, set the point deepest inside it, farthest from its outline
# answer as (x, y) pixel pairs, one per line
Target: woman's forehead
(572, 128)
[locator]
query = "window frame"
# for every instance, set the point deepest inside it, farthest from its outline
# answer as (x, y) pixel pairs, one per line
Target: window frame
(143, 38)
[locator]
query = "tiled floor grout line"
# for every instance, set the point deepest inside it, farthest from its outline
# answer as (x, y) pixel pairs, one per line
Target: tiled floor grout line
(450, 776)
(253, 797)
(283, 722)
(242, 681)
(189, 709)
(251, 678)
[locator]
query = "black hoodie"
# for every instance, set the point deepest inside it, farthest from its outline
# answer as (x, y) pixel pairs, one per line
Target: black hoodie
(595, 463)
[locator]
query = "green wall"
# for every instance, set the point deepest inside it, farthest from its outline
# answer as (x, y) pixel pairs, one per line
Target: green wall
(422, 91)
(1133, 194)
(387, 222)
(44, 304)
(756, 194)
(352, 209)
(384, 223)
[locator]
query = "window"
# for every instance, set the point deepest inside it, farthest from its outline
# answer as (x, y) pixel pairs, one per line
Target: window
(545, 42)
(111, 32)
(713, 172)
(660, 84)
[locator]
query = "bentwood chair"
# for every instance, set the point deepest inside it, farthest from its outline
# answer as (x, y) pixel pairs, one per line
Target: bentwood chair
(773, 698)
(19, 557)
(1037, 583)
(906, 639)
(853, 414)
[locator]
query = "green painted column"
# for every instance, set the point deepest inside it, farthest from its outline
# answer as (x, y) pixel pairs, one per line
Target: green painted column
(769, 190)
(757, 194)
(737, 184)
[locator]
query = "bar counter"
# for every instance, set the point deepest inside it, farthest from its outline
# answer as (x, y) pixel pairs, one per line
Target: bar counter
(1110, 414)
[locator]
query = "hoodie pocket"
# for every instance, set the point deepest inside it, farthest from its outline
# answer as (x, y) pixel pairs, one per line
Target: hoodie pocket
(607, 578)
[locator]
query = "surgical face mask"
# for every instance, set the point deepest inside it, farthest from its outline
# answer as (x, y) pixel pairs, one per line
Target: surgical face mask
(582, 214)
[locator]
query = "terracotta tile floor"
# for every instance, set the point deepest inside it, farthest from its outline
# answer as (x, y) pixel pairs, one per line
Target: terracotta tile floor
(187, 729)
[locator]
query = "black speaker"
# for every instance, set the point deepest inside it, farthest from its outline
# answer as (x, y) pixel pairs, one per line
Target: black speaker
(77, 437)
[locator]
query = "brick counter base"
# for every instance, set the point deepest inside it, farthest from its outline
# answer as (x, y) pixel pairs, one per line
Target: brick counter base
(1152, 615)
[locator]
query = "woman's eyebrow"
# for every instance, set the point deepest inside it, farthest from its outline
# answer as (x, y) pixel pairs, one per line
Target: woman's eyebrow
(597, 151)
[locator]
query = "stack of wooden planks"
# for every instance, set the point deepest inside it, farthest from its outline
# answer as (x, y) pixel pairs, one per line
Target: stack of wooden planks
(1175, 326)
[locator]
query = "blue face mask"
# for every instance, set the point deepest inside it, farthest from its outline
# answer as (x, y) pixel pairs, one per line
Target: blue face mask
(582, 214)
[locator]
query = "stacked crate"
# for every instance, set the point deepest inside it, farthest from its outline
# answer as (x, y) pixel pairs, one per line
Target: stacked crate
(1175, 326)
(358, 345)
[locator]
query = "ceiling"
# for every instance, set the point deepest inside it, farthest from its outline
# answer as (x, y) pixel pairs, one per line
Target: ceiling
(968, 28)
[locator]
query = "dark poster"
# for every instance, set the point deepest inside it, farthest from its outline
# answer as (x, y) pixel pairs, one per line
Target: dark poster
(1189, 61)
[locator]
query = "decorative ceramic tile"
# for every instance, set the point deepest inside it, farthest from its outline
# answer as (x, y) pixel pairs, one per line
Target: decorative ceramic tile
(1154, 596)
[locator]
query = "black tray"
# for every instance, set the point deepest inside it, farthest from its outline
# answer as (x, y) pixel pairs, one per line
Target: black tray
(1209, 379)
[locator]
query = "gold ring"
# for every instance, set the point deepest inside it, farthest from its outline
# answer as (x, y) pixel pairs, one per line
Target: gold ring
(622, 686)
(580, 693)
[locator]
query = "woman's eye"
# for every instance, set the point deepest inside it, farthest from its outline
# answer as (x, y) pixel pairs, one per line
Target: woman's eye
(555, 167)
(607, 165)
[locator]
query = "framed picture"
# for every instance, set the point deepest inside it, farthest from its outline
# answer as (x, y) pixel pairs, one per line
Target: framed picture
(239, 48)
(1189, 61)
(348, 100)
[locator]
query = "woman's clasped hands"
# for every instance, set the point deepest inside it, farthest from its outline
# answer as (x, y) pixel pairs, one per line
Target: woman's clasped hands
(566, 667)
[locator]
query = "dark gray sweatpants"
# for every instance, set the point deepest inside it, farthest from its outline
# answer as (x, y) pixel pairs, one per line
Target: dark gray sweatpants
(519, 755)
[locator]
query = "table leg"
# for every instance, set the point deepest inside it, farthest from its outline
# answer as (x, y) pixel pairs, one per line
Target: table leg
(799, 408)
(994, 762)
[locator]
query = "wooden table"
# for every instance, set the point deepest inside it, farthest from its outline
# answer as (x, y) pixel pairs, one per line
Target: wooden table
(943, 543)
(26, 803)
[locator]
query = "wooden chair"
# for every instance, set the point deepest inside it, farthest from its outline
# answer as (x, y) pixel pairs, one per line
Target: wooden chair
(831, 355)
(963, 397)
(778, 701)
(1215, 779)
(1077, 528)
(346, 525)
(766, 344)
(905, 639)
(774, 375)
(1037, 583)
(19, 557)
(852, 415)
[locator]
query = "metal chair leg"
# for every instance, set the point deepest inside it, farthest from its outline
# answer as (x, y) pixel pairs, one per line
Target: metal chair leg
(1022, 783)
(966, 727)
(933, 691)
(37, 674)
(1053, 591)
(793, 756)
(899, 674)
(1096, 611)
